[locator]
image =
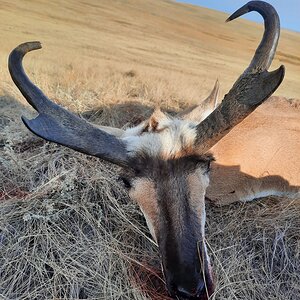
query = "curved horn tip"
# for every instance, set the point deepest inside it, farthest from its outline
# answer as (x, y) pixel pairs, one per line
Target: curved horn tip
(241, 11)
(258, 6)
(28, 46)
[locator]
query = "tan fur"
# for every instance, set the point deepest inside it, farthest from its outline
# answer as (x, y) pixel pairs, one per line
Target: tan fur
(143, 192)
(260, 156)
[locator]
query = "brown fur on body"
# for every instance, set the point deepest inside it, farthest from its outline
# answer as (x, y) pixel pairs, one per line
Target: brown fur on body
(260, 156)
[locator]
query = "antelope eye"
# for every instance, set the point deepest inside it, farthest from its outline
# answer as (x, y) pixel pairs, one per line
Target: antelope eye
(207, 170)
(126, 182)
(206, 167)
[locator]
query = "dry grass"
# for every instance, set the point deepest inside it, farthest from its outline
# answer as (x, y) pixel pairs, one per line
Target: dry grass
(69, 230)
(67, 227)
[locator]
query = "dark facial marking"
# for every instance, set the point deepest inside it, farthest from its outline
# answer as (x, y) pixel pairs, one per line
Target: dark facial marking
(174, 187)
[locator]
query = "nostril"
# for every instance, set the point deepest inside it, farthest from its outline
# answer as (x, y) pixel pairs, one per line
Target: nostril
(183, 292)
(191, 293)
(200, 288)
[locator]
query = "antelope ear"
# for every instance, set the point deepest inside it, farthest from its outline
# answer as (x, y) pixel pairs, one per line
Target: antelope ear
(198, 113)
(157, 122)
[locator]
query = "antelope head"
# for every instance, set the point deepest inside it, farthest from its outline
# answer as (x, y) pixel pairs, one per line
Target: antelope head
(165, 159)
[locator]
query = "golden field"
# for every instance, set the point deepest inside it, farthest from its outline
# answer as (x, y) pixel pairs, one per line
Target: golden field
(172, 41)
(67, 227)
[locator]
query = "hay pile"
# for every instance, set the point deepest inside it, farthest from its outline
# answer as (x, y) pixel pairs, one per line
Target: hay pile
(69, 231)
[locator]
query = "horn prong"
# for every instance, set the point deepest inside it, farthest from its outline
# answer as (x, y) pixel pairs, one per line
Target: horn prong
(252, 88)
(58, 125)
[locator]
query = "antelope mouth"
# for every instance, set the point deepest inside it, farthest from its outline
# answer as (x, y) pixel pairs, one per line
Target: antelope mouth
(207, 290)
(204, 290)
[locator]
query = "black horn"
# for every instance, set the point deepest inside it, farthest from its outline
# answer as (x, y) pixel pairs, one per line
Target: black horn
(252, 88)
(58, 125)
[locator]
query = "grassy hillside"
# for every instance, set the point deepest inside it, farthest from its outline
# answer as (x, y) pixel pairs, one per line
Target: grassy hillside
(67, 227)
(192, 44)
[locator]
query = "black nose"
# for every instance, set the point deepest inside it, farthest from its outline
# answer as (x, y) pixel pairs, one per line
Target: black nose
(190, 294)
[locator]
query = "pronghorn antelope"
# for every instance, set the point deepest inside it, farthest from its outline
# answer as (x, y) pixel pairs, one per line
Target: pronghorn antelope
(166, 160)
